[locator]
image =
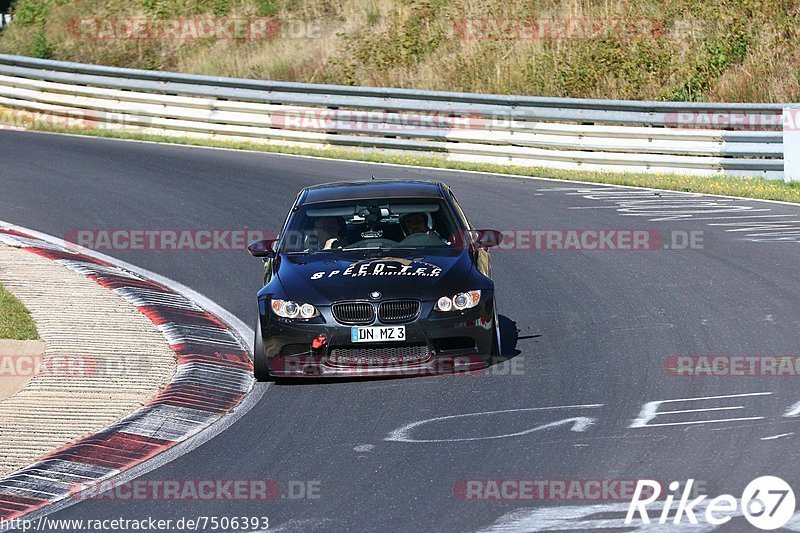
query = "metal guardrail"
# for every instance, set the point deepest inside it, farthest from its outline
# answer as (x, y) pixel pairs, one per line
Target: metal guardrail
(531, 131)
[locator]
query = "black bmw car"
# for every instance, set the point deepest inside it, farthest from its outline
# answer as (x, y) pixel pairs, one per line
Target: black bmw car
(381, 277)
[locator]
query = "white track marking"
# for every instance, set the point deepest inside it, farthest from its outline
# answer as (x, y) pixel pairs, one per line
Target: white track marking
(740, 217)
(694, 422)
(578, 424)
(587, 517)
(650, 411)
(793, 411)
(777, 436)
(750, 226)
(701, 410)
(671, 206)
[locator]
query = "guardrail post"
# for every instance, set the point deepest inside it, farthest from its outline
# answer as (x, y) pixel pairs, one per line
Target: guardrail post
(791, 143)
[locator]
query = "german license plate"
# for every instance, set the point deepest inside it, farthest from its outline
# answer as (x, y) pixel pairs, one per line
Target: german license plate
(378, 334)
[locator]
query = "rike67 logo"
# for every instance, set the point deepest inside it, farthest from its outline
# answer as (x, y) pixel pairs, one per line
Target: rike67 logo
(767, 503)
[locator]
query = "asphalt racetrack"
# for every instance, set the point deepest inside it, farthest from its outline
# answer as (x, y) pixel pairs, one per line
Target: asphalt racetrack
(588, 337)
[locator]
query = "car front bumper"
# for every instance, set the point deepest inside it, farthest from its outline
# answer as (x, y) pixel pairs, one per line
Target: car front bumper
(436, 343)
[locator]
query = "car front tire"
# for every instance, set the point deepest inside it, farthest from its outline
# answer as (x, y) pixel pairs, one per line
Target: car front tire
(497, 349)
(260, 360)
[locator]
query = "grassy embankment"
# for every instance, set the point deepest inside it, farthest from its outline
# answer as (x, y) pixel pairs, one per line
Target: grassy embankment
(713, 50)
(15, 320)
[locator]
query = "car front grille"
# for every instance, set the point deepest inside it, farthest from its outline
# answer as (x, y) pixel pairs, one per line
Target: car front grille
(379, 355)
(353, 313)
(397, 311)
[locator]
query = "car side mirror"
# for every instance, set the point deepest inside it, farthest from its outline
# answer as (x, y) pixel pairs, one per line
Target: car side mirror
(487, 238)
(265, 248)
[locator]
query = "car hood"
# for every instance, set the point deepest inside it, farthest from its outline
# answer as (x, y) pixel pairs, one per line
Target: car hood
(323, 278)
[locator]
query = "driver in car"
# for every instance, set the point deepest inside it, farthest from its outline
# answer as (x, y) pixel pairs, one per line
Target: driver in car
(415, 223)
(419, 224)
(327, 230)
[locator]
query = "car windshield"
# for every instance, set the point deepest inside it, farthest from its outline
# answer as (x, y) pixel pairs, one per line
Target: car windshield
(370, 224)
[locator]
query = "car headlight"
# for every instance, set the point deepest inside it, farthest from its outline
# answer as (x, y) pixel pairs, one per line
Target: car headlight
(290, 309)
(459, 302)
(444, 304)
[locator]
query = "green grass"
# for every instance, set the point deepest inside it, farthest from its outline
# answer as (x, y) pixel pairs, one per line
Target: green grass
(742, 187)
(15, 320)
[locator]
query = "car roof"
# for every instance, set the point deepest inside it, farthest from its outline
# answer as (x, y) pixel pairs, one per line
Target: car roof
(367, 189)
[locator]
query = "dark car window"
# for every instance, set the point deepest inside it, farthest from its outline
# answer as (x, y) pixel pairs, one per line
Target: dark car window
(459, 210)
(377, 223)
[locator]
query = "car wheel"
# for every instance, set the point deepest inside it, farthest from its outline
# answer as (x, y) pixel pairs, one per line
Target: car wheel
(260, 361)
(497, 349)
